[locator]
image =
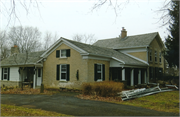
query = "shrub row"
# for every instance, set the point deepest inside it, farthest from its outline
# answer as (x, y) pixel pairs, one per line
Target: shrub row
(104, 89)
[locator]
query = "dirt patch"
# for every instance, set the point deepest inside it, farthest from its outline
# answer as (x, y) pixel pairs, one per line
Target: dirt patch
(98, 98)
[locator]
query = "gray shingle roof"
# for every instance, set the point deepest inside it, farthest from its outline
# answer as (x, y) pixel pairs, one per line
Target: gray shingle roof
(107, 52)
(127, 42)
(19, 59)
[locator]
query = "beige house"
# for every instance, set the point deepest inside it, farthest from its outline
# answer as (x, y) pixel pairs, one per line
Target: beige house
(134, 59)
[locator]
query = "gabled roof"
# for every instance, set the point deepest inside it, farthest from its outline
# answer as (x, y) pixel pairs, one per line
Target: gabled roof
(107, 52)
(142, 40)
(20, 59)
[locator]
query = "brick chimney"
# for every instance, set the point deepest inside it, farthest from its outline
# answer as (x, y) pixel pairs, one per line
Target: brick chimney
(123, 33)
(14, 49)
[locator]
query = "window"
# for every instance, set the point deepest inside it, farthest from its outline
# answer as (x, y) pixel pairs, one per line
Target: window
(150, 55)
(64, 53)
(159, 57)
(99, 72)
(155, 55)
(39, 72)
(63, 72)
(5, 73)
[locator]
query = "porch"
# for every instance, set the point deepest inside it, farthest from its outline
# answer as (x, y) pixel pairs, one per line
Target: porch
(31, 76)
(132, 76)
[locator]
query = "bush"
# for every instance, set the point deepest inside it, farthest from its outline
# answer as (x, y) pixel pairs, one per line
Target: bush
(86, 88)
(104, 89)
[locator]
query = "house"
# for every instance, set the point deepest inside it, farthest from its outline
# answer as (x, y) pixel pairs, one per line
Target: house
(132, 59)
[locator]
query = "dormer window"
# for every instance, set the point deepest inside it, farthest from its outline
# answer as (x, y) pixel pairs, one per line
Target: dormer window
(64, 53)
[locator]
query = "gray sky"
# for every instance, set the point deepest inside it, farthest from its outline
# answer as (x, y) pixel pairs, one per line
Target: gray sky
(69, 17)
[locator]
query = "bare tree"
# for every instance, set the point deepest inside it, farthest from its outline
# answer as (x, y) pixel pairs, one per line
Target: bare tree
(4, 45)
(9, 8)
(49, 39)
(116, 5)
(89, 39)
(27, 38)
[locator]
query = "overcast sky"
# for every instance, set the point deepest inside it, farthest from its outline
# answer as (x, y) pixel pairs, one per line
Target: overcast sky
(69, 17)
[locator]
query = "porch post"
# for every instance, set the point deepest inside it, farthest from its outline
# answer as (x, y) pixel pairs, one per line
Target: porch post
(145, 77)
(148, 75)
(123, 74)
(34, 80)
(41, 76)
(132, 77)
(139, 77)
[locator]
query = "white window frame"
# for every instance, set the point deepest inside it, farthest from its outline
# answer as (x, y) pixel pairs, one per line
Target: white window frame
(155, 56)
(5, 73)
(100, 72)
(150, 55)
(160, 59)
(65, 55)
(63, 72)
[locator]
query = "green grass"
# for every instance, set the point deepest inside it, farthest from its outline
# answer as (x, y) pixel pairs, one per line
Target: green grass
(10, 110)
(165, 101)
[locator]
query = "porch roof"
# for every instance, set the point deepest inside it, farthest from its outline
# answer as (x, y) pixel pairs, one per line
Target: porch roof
(22, 59)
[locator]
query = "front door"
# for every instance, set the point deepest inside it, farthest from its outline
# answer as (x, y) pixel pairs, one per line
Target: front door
(39, 76)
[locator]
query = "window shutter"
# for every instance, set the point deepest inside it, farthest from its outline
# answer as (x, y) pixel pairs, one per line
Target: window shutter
(57, 53)
(8, 73)
(68, 72)
(95, 72)
(68, 53)
(57, 72)
(103, 66)
(2, 74)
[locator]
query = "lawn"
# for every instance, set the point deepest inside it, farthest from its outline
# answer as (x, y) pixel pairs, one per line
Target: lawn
(10, 110)
(165, 101)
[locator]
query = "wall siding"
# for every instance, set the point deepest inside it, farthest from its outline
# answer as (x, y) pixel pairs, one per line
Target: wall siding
(140, 55)
(14, 74)
(76, 63)
(154, 46)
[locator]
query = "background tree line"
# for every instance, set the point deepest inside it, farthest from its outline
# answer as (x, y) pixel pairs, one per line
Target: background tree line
(30, 39)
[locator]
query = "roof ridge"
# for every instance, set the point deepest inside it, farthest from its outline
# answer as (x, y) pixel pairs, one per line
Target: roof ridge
(127, 36)
(88, 44)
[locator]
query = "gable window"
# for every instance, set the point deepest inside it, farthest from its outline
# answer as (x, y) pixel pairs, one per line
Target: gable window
(63, 72)
(64, 53)
(159, 57)
(99, 72)
(5, 73)
(150, 55)
(155, 55)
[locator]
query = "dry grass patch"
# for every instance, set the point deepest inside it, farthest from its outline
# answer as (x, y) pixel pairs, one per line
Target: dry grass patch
(165, 101)
(10, 110)
(26, 91)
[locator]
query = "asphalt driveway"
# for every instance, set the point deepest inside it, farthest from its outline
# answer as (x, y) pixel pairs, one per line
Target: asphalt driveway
(66, 103)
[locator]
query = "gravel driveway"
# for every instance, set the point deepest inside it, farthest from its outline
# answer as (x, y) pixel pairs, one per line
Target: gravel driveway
(66, 103)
